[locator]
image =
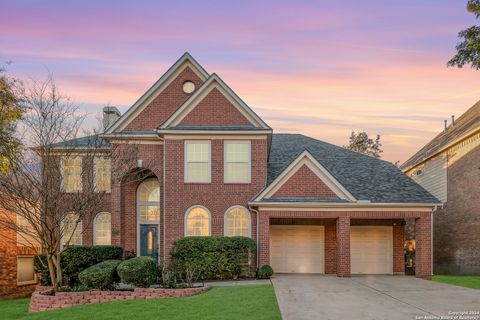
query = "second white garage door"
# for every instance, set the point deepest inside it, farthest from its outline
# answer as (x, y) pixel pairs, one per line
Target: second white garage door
(371, 250)
(297, 249)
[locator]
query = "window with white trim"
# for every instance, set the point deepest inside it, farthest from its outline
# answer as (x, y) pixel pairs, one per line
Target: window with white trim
(72, 174)
(25, 270)
(72, 229)
(198, 161)
(102, 229)
(237, 222)
(102, 174)
(237, 161)
(197, 222)
(148, 201)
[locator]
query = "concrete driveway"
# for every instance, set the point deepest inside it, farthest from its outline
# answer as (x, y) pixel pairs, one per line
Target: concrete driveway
(370, 297)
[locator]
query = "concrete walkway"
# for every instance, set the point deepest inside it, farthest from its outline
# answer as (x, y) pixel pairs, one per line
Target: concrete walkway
(370, 297)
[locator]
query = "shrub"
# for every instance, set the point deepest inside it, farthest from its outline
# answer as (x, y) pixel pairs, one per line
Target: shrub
(76, 259)
(101, 276)
(140, 271)
(265, 272)
(213, 258)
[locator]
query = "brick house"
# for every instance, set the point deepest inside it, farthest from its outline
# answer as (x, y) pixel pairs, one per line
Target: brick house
(449, 168)
(211, 166)
(17, 277)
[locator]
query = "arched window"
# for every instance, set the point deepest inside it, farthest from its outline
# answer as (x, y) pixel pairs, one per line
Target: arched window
(197, 222)
(237, 222)
(72, 230)
(102, 229)
(148, 201)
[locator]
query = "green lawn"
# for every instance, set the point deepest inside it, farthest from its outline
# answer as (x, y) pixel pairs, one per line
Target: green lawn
(463, 281)
(236, 302)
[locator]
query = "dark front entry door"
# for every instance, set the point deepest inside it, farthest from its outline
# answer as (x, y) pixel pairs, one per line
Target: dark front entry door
(149, 240)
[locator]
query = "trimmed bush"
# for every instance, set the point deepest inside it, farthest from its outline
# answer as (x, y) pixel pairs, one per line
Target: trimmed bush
(140, 271)
(101, 276)
(212, 258)
(76, 259)
(265, 272)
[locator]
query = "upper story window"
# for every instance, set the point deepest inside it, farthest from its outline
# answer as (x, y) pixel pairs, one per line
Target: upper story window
(72, 230)
(198, 161)
(237, 162)
(72, 174)
(102, 174)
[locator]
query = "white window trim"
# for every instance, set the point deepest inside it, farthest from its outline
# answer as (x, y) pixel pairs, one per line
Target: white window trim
(95, 174)
(249, 143)
(185, 166)
(95, 227)
(79, 225)
(62, 168)
(35, 279)
(185, 220)
(226, 216)
(153, 222)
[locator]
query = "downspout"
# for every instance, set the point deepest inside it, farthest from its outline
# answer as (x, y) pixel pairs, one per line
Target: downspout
(431, 239)
(258, 246)
(164, 200)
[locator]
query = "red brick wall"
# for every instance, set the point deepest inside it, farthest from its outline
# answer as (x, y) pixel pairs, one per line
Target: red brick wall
(216, 196)
(215, 109)
(8, 263)
(331, 248)
(343, 246)
(165, 104)
(398, 256)
(306, 184)
(423, 247)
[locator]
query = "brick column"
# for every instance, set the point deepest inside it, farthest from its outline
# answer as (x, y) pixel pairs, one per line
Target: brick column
(423, 247)
(398, 255)
(263, 239)
(343, 247)
(116, 214)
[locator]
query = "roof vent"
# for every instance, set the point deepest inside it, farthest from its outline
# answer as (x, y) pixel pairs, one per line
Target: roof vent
(445, 123)
(110, 115)
(453, 120)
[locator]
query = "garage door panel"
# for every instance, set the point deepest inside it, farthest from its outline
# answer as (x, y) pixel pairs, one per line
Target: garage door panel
(297, 249)
(371, 249)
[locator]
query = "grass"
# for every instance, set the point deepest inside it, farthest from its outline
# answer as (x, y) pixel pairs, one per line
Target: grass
(462, 281)
(235, 302)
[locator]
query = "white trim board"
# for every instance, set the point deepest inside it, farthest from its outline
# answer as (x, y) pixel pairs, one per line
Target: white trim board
(186, 60)
(214, 82)
(305, 158)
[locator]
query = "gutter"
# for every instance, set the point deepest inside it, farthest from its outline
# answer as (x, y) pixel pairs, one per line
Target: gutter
(360, 204)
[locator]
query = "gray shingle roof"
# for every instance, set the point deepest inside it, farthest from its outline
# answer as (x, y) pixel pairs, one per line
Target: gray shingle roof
(467, 122)
(223, 127)
(93, 141)
(366, 178)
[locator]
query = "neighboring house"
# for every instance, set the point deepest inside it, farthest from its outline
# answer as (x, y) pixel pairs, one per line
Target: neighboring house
(17, 277)
(449, 167)
(206, 164)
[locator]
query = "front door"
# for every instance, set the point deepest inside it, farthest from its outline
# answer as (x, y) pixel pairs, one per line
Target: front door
(149, 240)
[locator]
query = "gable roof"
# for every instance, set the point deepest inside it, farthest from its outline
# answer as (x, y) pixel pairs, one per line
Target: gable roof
(214, 81)
(186, 60)
(364, 177)
(306, 159)
(465, 125)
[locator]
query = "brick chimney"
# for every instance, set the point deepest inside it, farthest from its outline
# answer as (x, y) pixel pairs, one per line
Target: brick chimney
(110, 115)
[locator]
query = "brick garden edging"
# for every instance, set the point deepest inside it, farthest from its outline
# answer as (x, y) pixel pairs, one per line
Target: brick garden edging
(42, 302)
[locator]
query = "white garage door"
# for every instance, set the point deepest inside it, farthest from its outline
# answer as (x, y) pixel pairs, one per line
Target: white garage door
(371, 250)
(297, 249)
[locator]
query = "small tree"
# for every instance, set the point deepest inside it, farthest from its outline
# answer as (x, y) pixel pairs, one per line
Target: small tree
(468, 50)
(32, 187)
(360, 142)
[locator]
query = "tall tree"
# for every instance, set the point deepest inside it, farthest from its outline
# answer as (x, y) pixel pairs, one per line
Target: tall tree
(468, 50)
(32, 187)
(10, 112)
(360, 142)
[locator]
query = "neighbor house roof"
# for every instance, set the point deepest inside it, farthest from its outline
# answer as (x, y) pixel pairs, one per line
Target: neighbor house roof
(366, 178)
(466, 124)
(92, 141)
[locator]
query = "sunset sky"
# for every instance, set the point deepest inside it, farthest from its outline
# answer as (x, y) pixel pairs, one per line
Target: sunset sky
(322, 68)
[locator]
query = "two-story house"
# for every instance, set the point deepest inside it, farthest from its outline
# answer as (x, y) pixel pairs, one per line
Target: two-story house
(209, 165)
(449, 168)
